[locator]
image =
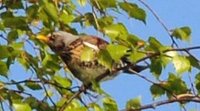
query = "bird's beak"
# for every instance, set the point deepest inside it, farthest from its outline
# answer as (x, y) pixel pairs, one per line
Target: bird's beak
(43, 38)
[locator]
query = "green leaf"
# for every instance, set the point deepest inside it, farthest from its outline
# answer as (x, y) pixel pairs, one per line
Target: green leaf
(115, 30)
(182, 33)
(21, 107)
(175, 85)
(103, 4)
(156, 67)
(105, 59)
(135, 56)
(181, 64)
(97, 88)
(66, 18)
(32, 12)
(105, 21)
(33, 102)
(14, 4)
(156, 91)
(117, 51)
(2, 28)
(166, 58)
(64, 82)
(50, 62)
(16, 22)
(133, 103)
(33, 86)
(197, 82)
(133, 11)
(109, 104)
(5, 51)
(82, 2)
(3, 69)
(12, 36)
(88, 54)
(195, 63)
(155, 44)
(95, 106)
(50, 10)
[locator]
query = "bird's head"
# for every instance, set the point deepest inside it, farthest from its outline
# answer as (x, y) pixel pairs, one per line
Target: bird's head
(57, 40)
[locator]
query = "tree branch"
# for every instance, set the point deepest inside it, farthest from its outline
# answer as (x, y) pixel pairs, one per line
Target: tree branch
(182, 99)
(81, 90)
(168, 50)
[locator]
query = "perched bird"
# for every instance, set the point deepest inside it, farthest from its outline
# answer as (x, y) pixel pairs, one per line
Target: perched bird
(70, 48)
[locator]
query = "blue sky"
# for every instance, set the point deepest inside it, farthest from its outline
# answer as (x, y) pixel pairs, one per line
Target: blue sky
(175, 13)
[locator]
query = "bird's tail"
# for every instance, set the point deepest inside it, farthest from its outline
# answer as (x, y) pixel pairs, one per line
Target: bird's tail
(135, 69)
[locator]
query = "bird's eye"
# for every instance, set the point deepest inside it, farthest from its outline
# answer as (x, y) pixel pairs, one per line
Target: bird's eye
(52, 37)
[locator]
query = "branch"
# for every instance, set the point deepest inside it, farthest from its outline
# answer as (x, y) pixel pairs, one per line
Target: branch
(182, 99)
(81, 90)
(48, 96)
(168, 50)
(37, 81)
(1, 36)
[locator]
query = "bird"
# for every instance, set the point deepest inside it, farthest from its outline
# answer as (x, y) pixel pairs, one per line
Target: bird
(70, 47)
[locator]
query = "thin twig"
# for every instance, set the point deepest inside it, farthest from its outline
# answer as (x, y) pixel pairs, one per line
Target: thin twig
(2, 108)
(192, 84)
(95, 18)
(159, 20)
(1, 36)
(47, 94)
(18, 91)
(154, 83)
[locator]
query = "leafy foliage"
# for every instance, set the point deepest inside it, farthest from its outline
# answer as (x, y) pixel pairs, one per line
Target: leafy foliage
(22, 20)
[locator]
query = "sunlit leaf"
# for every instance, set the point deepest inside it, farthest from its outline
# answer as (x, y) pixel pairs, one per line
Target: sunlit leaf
(105, 59)
(66, 18)
(51, 10)
(21, 107)
(109, 104)
(82, 2)
(117, 51)
(182, 33)
(135, 56)
(96, 107)
(133, 11)
(3, 69)
(155, 44)
(64, 82)
(115, 30)
(133, 103)
(181, 64)
(88, 54)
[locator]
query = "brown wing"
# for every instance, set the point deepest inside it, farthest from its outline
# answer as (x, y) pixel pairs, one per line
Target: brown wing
(75, 48)
(84, 71)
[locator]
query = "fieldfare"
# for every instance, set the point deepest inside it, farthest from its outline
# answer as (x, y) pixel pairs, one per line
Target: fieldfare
(70, 48)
